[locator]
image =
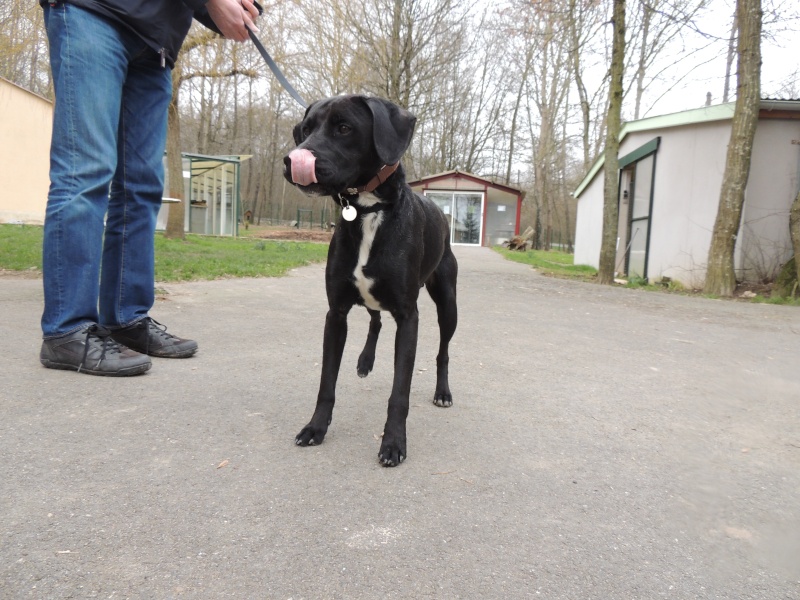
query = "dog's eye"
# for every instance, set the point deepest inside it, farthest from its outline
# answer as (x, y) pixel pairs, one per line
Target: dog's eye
(344, 128)
(305, 131)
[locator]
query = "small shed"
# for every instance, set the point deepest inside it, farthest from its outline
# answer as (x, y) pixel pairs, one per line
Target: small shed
(26, 123)
(212, 187)
(670, 178)
(480, 211)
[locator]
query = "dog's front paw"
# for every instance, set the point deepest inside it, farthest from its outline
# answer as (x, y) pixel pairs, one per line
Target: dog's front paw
(443, 399)
(392, 453)
(365, 363)
(310, 436)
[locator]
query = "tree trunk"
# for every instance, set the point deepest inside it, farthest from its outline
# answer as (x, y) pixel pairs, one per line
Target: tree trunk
(177, 210)
(608, 249)
(794, 228)
(720, 276)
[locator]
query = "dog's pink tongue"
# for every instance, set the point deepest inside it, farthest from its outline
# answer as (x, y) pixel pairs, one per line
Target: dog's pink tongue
(303, 167)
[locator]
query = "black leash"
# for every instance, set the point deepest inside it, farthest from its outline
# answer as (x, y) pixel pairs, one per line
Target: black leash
(276, 71)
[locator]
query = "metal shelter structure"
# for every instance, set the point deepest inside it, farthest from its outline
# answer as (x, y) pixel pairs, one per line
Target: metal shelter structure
(212, 188)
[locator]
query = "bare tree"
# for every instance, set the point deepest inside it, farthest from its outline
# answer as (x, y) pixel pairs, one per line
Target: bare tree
(657, 25)
(720, 274)
(605, 273)
(23, 46)
(549, 92)
(407, 45)
(794, 228)
(584, 21)
(177, 211)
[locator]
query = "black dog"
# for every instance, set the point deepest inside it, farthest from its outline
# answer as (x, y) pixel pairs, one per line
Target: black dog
(387, 245)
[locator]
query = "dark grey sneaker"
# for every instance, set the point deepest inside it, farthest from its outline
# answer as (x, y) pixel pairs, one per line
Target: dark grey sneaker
(92, 350)
(148, 336)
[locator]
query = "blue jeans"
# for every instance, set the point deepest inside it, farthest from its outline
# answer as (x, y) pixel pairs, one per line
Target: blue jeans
(106, 172)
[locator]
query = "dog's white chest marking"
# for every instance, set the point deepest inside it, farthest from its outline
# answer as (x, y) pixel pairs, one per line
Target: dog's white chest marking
(369, 226)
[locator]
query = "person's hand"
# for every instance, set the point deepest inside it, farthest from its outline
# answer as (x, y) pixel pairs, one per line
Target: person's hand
(233, 17)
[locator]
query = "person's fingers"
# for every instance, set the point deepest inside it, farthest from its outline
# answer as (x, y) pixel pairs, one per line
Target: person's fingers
(249, 13)
(233, 20)
(250, 8)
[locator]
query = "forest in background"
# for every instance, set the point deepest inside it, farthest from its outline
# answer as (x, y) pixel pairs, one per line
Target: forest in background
(513, 91)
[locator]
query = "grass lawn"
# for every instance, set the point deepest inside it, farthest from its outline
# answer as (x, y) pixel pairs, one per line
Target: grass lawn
(553, 263)
(559, 264)
(192, 259)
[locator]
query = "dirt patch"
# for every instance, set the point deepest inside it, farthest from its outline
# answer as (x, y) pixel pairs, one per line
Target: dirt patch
(292, 234)
(32, 273)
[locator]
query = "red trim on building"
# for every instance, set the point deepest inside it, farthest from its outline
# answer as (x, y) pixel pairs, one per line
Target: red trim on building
(459, 175)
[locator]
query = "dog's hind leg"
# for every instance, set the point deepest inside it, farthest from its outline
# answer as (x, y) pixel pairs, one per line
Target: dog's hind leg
(332, 349)
(367, 358)
(441, 286)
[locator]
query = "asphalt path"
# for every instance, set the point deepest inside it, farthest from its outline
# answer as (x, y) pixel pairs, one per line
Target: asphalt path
(603, 443)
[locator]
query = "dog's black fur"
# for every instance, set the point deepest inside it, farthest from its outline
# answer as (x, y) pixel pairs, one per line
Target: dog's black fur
(352, 138)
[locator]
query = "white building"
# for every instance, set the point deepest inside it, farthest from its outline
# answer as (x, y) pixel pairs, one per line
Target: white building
(671, 170)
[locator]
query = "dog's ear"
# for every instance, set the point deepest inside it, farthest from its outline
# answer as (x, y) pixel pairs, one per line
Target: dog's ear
(297, 132)
(392, 128)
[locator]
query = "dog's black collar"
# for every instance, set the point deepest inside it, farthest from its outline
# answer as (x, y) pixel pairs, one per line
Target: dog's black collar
(377, 207)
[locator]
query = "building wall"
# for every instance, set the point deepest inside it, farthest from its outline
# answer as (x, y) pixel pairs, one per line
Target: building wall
(765, 244)
(25, 125)
(589, 224)
(690, 163)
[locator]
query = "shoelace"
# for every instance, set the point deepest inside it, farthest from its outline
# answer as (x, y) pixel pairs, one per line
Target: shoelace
(107, 343)
(159, 329)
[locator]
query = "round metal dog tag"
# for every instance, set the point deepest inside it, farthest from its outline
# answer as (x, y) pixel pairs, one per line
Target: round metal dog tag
(349, 213)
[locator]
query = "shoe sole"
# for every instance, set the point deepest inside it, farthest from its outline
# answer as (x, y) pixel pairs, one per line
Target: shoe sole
(181, 354)
(125, 372)
(163, 354)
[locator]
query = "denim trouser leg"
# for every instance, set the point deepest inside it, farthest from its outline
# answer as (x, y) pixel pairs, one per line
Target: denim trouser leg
(128, 268)
(92, 61)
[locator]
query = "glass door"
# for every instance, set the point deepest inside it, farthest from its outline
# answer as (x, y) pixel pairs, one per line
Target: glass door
(445, 202)
(467, 219)
(464, 212)
(640, 217)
